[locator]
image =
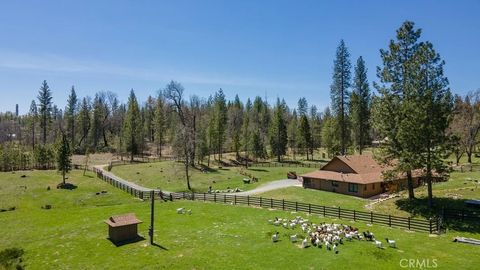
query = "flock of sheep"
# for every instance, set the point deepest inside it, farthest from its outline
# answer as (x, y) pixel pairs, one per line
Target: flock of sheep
(323, 234)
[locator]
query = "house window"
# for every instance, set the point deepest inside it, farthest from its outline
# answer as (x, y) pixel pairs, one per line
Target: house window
(334, 184)
(352, 187)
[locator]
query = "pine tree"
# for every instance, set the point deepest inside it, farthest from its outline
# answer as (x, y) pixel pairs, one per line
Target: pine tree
(33, 114)
(45, 109)
(246, 131)
(70, 115)
(235, 119)
(278, 131)
(360, 106)
(339, 92)
(160, 124)
(132, 128)
(64, 162)
(149, 118)
(293, 133)
(221, 121)
(305, 134)
(391, 108)
(84, 121)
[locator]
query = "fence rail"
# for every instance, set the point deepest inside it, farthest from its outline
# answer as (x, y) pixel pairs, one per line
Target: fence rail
(431, 225)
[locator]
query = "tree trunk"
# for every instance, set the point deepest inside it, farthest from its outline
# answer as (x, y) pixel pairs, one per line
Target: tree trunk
(411, 194)
(63, 176)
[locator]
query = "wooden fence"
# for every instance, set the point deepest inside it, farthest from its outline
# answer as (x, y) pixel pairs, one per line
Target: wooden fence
(431, 225)
(463, 215)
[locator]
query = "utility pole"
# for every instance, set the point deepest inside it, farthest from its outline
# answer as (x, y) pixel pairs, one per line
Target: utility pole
(152, 212)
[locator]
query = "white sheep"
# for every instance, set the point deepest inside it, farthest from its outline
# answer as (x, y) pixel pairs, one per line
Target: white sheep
(391, 243)
(276, 223)
(189, 211)
(335, 248)
(378, 244)
(270, 221)
(328, 245)
(292, 225)
(293, 238)
(180, 210)
(318, 242)
(275, 237)
(285, 225)
(304, 243)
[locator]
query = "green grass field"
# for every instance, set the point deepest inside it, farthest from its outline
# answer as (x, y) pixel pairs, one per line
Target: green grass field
(72, 234)
(450, 194)
(170, 175)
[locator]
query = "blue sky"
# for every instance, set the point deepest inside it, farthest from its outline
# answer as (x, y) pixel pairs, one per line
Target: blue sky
(248, 47)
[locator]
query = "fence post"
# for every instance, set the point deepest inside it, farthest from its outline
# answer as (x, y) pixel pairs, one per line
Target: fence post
(183, 195)
(193, 196)
(224, 198)
(171, 197)
(296, 206)
(309, 208)
(324, 211)
(339, 212)
(215, 197)
(430, 221)
(141, 195)
(271, 202)
(354, 215)
(371, 217)
(389, 220)
(260, 201)
(234, 199)
(283, 204)
(409, 223)
(204, 195)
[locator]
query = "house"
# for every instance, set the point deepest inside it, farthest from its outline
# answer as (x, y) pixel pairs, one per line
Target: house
(357, 175)
(122, 228)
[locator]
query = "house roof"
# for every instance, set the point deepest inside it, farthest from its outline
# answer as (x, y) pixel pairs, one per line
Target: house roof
(365, 178)
(123, 220)
(359, 163)
(365, 170)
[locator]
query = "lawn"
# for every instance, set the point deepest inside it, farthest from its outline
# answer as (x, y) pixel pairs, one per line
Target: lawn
(318, 197)
(170, 175)
(72, 234)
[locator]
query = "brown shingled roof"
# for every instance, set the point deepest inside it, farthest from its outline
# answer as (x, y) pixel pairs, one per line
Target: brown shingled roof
(123, 220)
(366, 169)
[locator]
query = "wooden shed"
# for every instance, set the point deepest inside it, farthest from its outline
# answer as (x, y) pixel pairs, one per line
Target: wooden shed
(123, 227)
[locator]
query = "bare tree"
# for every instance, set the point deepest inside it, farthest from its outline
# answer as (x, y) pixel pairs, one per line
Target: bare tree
(183, 140)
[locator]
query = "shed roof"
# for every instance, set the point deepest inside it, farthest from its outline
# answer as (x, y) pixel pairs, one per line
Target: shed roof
(123, 220)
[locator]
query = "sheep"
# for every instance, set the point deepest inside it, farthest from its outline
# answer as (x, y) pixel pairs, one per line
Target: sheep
(391, 243)
(275, 237)
(335, 249)
(293, 238)
(270, 222)
(304, 243)
(285, 225)
(180, 210)
(318, 243)
(328, 245)
(189, 211)
(378, 244)
(276, 223)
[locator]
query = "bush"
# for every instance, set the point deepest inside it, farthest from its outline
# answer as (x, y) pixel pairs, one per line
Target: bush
(11, 258)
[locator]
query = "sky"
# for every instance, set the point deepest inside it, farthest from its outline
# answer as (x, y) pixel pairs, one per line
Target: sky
(251, 47)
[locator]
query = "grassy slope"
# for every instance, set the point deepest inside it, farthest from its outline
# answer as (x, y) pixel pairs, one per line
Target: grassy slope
(459, 185)
(169, 175)
(318, 197)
